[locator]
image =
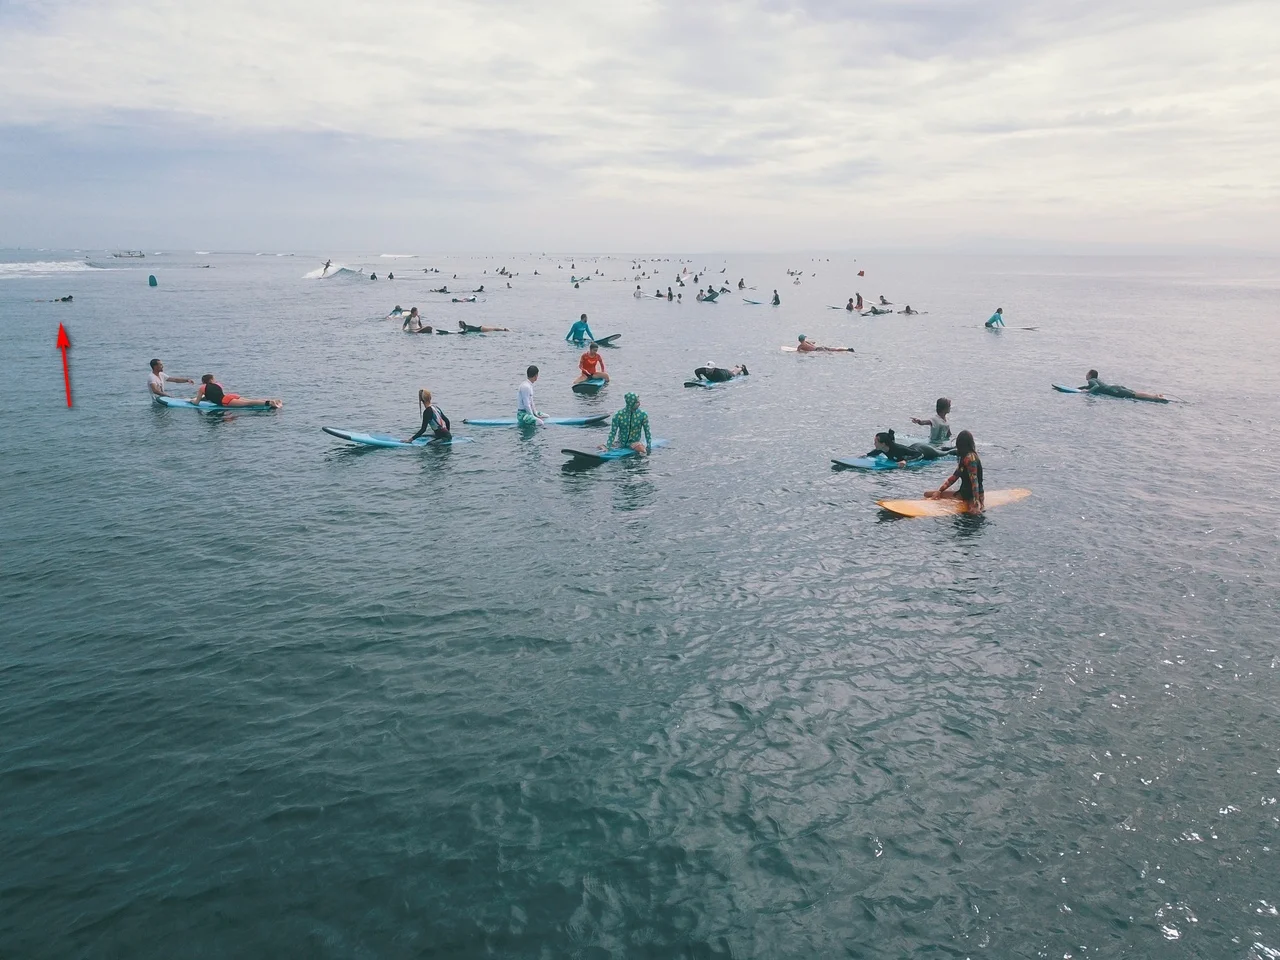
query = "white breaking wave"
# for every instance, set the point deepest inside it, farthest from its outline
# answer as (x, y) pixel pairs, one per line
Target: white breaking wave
(399, 256)
(44, 268)
(337, 269)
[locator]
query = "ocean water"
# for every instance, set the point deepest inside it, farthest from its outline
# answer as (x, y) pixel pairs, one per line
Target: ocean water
(265, 694)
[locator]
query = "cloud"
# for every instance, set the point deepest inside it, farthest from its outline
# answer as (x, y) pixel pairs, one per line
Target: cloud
(716, 124)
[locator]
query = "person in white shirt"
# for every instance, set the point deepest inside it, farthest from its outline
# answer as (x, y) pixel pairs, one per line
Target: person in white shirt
(158, 378)
(939, 428)
(527, 414)
(638, 294)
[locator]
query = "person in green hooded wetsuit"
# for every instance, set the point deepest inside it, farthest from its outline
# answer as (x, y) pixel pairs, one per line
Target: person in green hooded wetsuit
(630, 428)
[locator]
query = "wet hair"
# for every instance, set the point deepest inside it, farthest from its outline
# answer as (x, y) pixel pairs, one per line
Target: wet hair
(584, 316)
(885, 436)
(943, 406)
(594, 346)
(964, 444)
(531, 372)
(424, 397)
(206, 378)
(1091, 375)
(154, 362)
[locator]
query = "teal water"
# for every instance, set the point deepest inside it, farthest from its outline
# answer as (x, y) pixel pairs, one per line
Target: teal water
(264, 694)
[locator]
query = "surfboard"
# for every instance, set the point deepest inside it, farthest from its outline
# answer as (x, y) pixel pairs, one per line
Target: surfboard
(463, 300)
(1061, 389)
(708, 384)
(384, 440)
(823, 350)
(608, 341)
(175, 403)
(882, 463)
(604, 456)
(589, 388)
(592, 421)
(753, 302)
(946, 508)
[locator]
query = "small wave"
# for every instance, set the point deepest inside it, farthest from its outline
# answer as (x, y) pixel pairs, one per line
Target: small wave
(44, 268)
(337, 270)
(399, 256)
(202, 253)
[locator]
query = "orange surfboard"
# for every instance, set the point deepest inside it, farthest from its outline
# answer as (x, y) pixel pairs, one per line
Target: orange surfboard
(946, 508)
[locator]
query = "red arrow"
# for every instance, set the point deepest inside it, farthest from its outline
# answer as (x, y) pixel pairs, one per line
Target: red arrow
(63, 342)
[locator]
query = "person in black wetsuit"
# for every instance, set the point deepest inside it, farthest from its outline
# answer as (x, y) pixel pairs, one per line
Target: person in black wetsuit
(210, 391)
(888, 446)
(713, 374)
(777, 301)
(433, 419)
(1094, 385)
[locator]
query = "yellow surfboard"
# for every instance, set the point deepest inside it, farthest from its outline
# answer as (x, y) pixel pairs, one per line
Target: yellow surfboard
(946, 508)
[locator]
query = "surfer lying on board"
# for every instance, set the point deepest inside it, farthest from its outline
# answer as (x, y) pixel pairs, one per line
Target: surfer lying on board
(909, 312)
(808, 346)
(211, 391)
(888, 446)
(968, 471)
(713, 374)
(629, 425)
(996, 319)
(158, 378)
(580, 332)
(939, 429)
(876, 312)
(1114, 390)
(433, 419)
(591, 364)
(472, 328)
(884, 302)
(527, 414)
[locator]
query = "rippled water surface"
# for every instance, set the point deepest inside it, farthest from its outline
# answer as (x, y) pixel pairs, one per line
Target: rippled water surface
(264, 694)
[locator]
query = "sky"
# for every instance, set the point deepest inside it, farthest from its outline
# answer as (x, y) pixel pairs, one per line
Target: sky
(758, 125)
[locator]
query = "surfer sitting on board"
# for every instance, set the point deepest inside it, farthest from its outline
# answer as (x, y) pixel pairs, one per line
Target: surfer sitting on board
(591, 364)
(939, 429)
(888, 446)
(777, 301)
(210, 391)
(968, 471)
(884, 302)
(1115, 390)
(433, 419)
(629, 425)
(808, 346)
(713, 374)
(996, 319)
(527, 414)
(580, 332)
(850, 305)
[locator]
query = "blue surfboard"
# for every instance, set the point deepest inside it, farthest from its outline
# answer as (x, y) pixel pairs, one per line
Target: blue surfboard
(174, 403)
(592, 421)
(604, 456)
(880, 463)
(384, 440)
(708, 385)
(589, 388)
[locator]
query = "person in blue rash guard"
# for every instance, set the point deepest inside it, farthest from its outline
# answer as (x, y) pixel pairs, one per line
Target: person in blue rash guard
(580, 332)
(997, 319)
(629, 425)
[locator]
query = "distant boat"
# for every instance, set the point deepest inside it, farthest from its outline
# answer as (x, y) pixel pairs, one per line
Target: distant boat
(130, 254)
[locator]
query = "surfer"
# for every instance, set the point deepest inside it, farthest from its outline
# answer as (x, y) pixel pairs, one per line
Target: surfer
(886, 445)
(472, 328)
(1094, 385)
(909, 312)
(858, 303)
(211, 391)
(591, 364)
(629, 425)
(939, 429)
(157, 379)
(777, 300)
(412, 319)
(669, 297)
(639, 293)
(479, 289)
(850, 305)
(884, 302)
(444, 289)
(433, 419)
(996, 319)
(806, 345)
(742, 283)
(391, 276)
(713, 374)
(701, 296)
(580, 332)
(876, 312)
(527, 414)
(968, 471)
(327, 264)
(373, 276)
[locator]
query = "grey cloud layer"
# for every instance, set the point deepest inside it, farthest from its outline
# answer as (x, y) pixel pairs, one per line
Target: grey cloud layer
(932, 111)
